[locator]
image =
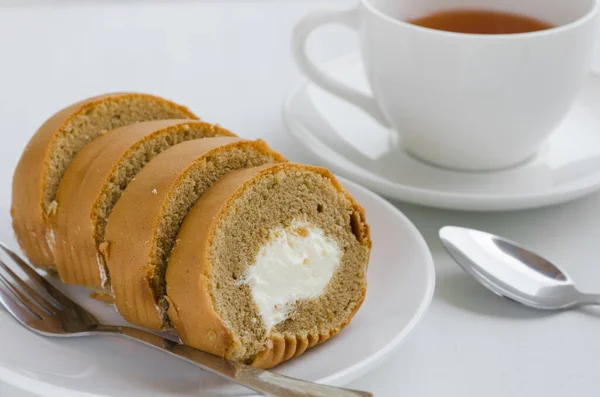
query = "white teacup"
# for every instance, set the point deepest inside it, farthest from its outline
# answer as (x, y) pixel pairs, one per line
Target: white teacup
(464, 101)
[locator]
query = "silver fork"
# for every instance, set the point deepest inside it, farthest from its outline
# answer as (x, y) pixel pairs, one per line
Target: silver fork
(43, 309)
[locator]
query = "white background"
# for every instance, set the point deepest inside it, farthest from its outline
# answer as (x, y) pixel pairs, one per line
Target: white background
(229, 61)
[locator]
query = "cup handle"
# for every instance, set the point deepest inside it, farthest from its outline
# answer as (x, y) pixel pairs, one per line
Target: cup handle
(302, 31)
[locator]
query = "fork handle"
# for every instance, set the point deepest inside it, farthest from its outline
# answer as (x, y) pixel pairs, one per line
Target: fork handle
(262, 381)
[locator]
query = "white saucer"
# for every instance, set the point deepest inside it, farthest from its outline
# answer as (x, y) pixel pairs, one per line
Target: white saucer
(400, 287)
(346, 140)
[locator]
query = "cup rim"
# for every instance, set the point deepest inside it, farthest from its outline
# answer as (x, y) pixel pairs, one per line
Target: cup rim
(589, 15)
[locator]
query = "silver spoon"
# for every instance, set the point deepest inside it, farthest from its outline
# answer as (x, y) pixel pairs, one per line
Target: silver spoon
(513, 272)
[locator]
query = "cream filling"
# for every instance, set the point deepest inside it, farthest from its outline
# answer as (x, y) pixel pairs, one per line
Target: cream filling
(50, 238)
(102, 272)
(296, 263)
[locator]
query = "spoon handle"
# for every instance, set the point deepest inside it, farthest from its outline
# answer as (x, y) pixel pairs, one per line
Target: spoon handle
(589, 299)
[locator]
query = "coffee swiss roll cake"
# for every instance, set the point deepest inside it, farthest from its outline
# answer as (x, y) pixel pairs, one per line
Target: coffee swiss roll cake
(188, 228)
(94, 182)
(141, 230)
(269, 261)
(55, 144)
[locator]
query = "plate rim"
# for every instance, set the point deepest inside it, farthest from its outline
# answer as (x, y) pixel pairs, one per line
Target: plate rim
(340, 378)
(429, 197)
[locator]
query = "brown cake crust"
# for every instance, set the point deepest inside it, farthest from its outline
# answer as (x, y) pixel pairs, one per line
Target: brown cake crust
(132, 226)
(191, 309)
(29, 180)
(76, 251)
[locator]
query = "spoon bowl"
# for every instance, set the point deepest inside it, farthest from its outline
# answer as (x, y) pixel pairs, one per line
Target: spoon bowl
(511, 271)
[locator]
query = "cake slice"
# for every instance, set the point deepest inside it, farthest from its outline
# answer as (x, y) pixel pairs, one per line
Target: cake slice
(269, 262)
(143, 225)
(55, 144)
(94, 182)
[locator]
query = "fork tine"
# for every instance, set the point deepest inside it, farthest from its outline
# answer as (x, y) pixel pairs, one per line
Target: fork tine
(53, 294)
(25, 310)
(38, 300)
(69, 315)
(16, 309)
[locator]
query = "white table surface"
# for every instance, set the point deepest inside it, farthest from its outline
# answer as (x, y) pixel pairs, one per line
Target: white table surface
(230, 62)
